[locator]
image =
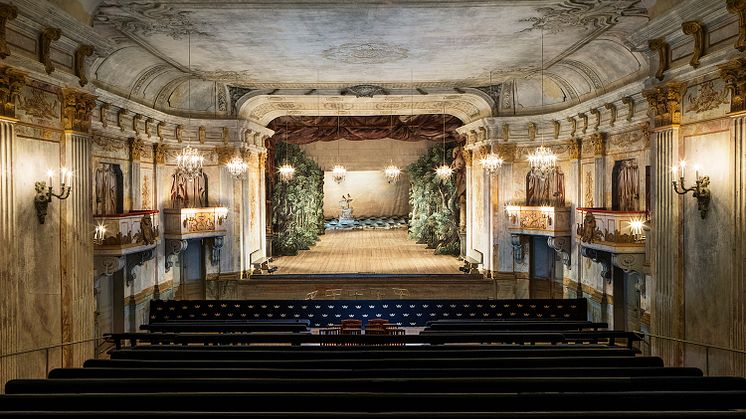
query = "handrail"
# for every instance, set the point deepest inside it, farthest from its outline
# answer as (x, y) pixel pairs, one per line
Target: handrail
(46, 348)
(689, 342)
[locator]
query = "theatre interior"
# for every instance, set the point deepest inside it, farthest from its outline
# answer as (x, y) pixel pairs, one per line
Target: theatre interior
(373, 208)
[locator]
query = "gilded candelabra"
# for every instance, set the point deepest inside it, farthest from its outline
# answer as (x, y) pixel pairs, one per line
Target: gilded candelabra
(700, 190)
(45, 193)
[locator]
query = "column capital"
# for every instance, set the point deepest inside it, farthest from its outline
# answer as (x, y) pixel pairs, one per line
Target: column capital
(734, 74)
(137, 146)
(598, 141)
(159, 153)
(77, 106)
(225, 154)
(11, 82)
(507, 152)
(573, 148)
(665, 103)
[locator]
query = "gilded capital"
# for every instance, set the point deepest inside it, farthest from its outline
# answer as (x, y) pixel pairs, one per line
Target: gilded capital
(77, 108)
(734, 74)
(507, 152)
(598, 142)
(225, 154)
(159, 153)
(573, 148)
(665, 103)
(467, 155)
(137, 147)
(11, 82)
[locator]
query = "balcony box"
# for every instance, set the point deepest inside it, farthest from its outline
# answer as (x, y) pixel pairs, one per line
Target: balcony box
(127, 233)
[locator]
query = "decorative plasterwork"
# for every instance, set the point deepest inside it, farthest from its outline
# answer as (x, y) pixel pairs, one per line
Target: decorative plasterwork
(597, 114)
(562, 246)
(81, 53)
(173, 249)
(660, 46)
(107, 265)
(738, 7)
(135, 260)
(11, 82)
(556, 125)
(734, 75)
(627, 100)
(45, 46)
(586, 15)
(467, 107)
(665, 103)
(598, 142)
(366, 53)
(7, 12)
(507, 152)
(77, 108)
(706, 98)
(696, 30)
(629, 262)
(612, 113)
(584, 117)
(225, 154)
(364, 90)
(137, 147)
(573, 125)
(103, 114)
(159, 153)
(573, 148)
(531, 131)
(602, 258)
(148, 19)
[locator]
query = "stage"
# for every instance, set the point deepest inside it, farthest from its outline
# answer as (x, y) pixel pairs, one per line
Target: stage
(367, 251)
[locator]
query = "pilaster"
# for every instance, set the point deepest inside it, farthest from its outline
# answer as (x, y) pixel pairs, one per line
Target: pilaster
(668, 301)
(76, 247)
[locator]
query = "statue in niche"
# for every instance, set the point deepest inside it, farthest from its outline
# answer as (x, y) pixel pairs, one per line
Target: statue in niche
(107, 189)
(187, 193)
(545, 190)
(627, 185)
(459, 170)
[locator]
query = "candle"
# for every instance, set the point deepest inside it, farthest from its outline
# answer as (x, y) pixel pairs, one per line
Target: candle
(696, 171)
(683, 166)
(50, 173)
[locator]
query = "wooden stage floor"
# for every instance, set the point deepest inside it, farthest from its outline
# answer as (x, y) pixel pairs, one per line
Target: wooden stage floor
(368, 251)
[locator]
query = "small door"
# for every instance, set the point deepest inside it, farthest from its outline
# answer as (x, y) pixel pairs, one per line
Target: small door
(541, 268)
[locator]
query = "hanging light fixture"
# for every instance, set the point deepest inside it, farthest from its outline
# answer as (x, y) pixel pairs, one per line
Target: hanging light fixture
(339, 173)
(189, 161)
(444, 171)
(286, 170)
(492, 162)
(542, 160)
(237, 167)
(392, 173)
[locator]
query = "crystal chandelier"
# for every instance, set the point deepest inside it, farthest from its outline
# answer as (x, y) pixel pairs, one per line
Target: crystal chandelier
(392, 173)
(286, 172)
(339, 173)
(491, 162)
(444, 172)
(542, 160)
(237, 167)
(189, 163)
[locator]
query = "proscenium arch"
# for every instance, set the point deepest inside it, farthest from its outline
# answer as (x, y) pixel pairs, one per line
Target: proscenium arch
(261, 108)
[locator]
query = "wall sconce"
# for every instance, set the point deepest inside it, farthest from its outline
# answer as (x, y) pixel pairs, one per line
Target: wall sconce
(636, 227)
(700, 190)
(222, 214)
(98, 234)
(513, 211)
(45, 193)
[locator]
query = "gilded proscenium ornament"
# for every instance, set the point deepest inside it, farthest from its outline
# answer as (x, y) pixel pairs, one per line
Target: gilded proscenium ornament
(627, 100)
(696, 30)
(11, 82)
(665, 103)
(77, 108)
(81, 53)
(45, 47)
(7, 12)
(734, 74)
(660, 46)
(738, 7)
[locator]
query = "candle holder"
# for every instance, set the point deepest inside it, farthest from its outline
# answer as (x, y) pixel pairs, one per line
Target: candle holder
(700, 190)
(45, 193)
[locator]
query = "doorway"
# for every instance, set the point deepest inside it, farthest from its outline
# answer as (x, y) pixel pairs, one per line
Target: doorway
(192, 271)
(626, 300)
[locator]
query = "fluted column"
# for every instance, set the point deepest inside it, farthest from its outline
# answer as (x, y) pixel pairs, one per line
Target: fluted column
(137, 146)
(668, 301)
(599, 175)
(574, 148)
(505, 193)
(76, 247)
(265, 225)
(8, 257)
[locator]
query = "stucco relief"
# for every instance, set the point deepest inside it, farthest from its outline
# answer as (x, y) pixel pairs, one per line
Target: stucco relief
(148, 19)
(707, 100)
(110, 147)
(588, 186)
(39, 107)
(583, 15)
(366, 53)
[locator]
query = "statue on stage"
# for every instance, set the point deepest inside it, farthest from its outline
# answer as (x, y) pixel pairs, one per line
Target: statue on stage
(345, 215)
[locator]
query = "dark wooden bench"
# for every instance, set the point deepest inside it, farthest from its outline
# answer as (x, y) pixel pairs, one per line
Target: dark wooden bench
(527, 325)
(379, 385)
(230, 327)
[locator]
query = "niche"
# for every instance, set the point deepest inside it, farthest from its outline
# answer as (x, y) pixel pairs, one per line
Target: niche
(546, 190)
(187, 193)
(625, 186)
(109, 189)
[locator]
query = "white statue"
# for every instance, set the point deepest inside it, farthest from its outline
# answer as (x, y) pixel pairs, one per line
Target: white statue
(345, 215)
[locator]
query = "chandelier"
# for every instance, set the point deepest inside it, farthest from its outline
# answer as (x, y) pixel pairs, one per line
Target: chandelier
(339, 173)
(542, 160)
(237, 167)
(444, 172)
(491, 162)
(189, 163)
(392, 173)
(286, 172)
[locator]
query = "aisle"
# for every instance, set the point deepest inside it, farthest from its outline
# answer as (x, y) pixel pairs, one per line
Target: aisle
(370, 251)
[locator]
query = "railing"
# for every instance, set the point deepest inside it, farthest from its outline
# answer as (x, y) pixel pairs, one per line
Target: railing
(736, 365)
(100, 347)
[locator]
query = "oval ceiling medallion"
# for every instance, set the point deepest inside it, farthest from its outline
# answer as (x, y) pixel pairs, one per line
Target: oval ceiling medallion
(366, 53)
